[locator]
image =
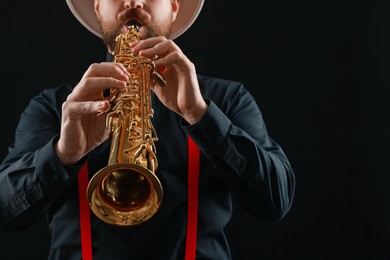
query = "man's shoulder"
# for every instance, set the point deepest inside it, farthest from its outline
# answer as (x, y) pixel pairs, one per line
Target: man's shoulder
(53, 96)
(210, 80)
(58, 91)
(209, 84)
(64, 88)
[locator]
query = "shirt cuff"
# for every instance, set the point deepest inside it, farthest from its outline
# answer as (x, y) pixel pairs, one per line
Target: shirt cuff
(211, 131)
(53, 172)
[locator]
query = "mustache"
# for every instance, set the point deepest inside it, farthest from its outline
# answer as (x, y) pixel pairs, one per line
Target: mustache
(133, 16)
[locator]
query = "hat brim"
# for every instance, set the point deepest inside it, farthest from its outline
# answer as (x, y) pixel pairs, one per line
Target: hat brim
(189, 10)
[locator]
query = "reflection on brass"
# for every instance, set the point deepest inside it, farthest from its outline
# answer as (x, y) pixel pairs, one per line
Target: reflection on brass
(127, 192)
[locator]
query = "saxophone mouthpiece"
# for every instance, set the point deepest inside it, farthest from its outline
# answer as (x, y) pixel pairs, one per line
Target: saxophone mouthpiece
(133, 25)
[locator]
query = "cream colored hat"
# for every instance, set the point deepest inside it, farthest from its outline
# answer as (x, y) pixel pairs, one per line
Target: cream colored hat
(189, 10)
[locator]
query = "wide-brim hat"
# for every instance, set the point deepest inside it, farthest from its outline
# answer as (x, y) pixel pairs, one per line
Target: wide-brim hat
(84, 11)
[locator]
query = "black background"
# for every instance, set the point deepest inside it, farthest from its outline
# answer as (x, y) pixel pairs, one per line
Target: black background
(320, 73)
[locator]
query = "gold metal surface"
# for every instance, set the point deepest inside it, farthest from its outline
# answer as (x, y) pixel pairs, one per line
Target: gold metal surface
(127, 192)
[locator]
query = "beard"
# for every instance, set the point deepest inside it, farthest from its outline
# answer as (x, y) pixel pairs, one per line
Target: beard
(110, 30)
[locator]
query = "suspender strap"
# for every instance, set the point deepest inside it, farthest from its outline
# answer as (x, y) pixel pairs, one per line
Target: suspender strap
(192, 218)
(193, 185)
(85, 220)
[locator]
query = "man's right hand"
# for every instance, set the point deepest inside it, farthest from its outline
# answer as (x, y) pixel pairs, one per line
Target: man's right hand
(82, 128)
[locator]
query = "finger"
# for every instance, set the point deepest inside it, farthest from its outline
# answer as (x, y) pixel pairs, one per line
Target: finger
(93, 88)
(169, 59)
(153, 46)
(101, 83)
(75, 110)
(108, 69)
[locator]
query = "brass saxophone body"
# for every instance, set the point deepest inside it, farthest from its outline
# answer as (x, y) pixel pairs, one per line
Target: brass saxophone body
(127, 192)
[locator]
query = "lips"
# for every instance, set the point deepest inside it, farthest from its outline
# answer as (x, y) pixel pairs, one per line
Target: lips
(132, 17)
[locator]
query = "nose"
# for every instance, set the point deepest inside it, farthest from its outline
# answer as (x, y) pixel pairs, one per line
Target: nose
(132, 4)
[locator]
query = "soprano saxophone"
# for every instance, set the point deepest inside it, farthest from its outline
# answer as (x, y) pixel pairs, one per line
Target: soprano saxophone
(127, 192)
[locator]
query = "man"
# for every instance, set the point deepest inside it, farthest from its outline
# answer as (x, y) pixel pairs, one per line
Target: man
(62, 135)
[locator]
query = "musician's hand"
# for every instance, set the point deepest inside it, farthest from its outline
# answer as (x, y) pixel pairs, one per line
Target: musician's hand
(82, 129)
(182, 94)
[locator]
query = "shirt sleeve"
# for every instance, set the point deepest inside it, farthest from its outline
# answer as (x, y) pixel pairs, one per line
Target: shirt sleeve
(31, 177)
(233, 136)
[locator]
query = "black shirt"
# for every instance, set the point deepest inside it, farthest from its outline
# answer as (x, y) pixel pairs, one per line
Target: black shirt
(238, 158)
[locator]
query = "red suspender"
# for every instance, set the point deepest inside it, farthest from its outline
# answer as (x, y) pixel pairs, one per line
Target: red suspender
(192, 218)
(193, 184)
(85, 220)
